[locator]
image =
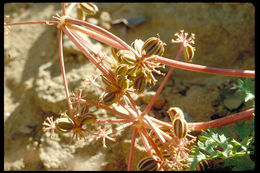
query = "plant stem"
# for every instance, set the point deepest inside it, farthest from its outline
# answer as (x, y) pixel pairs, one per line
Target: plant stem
(64, 74)
(33, 22)
(197, 126)
(103, 32)
(204, 69)
(131, 154)
(97, 36)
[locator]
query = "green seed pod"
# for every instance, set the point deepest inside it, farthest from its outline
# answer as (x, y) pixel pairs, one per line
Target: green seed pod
(122, 82)
(180, 128)
(188, 52)
(88, 118)
(140, 84)
(109, 98)
(174, 113)
(147, 164)
(126, 57)
(114, 52)
(106, 81)
(64, 125)
(122, 70)
(80, 13)
(153, 46)
(89, 8)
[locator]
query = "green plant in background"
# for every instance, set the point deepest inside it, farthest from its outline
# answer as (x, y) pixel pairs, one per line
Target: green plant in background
(247, 89)
(215, 143)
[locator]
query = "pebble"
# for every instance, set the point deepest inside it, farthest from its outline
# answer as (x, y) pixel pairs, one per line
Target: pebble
(233, 102)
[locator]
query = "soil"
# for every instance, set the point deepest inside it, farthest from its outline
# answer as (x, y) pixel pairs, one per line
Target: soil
(33, 86)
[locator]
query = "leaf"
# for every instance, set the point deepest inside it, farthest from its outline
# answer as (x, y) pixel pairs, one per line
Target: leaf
(240, 163)
(244, 129)
(247, 89)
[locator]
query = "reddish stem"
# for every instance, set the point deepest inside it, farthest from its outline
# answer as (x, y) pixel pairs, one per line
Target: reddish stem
(97, 36)
(204, 69)
(33, 22)
(197, 126)
(102, 31)
(64, 74)
(131, 154)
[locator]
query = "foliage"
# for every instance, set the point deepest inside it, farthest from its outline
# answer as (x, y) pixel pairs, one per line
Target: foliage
(214, 143)
(247, 89)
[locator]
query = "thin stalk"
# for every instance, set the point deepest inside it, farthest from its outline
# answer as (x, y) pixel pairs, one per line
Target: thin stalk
(152, 143)
(146, 143)
(33, 22)
(113, 121)
(83, 49)
(103, 32)
(131, 154)
(197, 126)
(204, 69)
(64, 74)
(97, 36)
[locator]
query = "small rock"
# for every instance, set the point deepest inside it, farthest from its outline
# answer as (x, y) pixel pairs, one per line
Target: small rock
(233, 102)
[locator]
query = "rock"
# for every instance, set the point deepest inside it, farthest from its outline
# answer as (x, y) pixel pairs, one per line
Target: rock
(234, 101)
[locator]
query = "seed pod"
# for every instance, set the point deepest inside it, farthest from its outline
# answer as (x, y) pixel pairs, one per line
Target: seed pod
(140, 84)
(203, 165)
(64, 125)
(126, 57)
(147, 164)
(106, 81)
(110, 97)
(89, 8)
(180, 128)
(137, 45)
(114, 52)
(153, 46)
(174, 113)
(122, 82)
(122, 70)
(88, 118)
(80, 13)
(188, 52)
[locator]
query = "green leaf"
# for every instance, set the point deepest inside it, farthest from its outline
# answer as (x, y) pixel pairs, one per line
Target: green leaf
(247, 89)
(240, 163)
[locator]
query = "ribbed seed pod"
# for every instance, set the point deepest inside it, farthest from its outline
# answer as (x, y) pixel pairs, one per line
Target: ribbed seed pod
(203, 165)
(114, 52)
(89, 8)
(121, 70)
(147, 164)
(122, 82)
(64, 125)
(188, 52)
(140, 84)
(109, 98)
(88, 118)
(153, 46)
(80, 13)
(137, 45)
(175, 112)
(126, 57)
(106, 81)
(180, 128)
